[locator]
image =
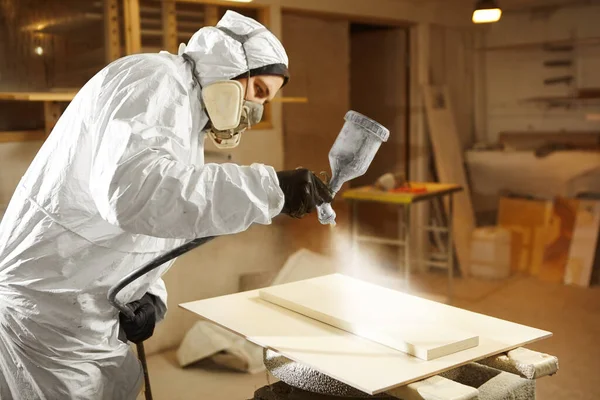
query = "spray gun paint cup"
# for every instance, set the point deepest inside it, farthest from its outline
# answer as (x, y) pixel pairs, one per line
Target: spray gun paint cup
(351, 155)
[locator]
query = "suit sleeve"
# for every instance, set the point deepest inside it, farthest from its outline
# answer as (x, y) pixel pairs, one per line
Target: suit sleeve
(139, 184)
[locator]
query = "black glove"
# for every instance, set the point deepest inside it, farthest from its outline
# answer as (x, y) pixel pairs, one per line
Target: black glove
(141, 327)
(303, 192)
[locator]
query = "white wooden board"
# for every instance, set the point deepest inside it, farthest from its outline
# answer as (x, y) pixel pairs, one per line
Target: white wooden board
(382, 315)
(450, 168)
(358, 362)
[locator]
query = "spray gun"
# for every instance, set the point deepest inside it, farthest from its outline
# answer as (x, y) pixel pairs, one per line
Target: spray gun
(351, 154)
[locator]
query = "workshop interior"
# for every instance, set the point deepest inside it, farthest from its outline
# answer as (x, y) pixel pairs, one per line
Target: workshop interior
(459, 257)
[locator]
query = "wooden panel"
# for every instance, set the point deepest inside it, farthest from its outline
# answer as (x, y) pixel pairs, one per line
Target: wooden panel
(583, 246)
(52, 112)
(558, 239)
(290, 99)
(38, 96)
(452, 63)
(372, 312)
(310, 129)
(211, 15)
(450, 167)
(378, 90)
(112, 38)
(133, 36)
(169, 26)
(419, 147)
(363, 364)
(22, 136)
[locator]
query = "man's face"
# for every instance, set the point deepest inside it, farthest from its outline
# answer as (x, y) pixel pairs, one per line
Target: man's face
(261, 88)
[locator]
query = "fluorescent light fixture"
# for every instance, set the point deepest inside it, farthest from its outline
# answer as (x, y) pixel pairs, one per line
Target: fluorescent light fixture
(486, 11)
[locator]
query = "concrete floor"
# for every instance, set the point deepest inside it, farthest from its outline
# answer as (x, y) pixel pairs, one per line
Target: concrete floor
(572, 314)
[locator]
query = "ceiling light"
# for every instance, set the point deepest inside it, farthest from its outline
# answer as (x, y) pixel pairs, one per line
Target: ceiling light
(486, 11)
(39, 50)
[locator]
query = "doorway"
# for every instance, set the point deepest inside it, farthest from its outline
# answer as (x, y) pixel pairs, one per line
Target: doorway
(341, 65)
(379, 83)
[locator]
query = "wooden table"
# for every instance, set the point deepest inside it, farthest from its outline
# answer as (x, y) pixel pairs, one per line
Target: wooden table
(404, 201)
(52, 111)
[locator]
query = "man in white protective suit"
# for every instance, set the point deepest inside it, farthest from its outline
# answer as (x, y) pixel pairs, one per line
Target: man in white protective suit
(121, 180)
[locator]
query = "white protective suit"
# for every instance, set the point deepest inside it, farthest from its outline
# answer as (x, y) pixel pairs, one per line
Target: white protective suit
(120, 180)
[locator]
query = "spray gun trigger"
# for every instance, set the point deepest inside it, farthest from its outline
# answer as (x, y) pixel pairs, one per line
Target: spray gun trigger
(325, 176)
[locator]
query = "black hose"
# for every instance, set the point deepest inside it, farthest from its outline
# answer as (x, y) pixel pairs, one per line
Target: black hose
(143, 270)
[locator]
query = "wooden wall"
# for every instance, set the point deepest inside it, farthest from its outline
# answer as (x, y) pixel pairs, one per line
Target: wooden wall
(378, 90)
(337, 70)
(319, 52)
(70, 36)
(452, 63)
(67, 31)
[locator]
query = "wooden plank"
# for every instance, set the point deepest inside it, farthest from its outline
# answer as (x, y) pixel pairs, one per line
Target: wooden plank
(559, 239)
(582, 252)
(450, 167)
(290, 100)
(133, 35)
(370, 311)
(418, 140)
(346, 357)
(112, 36)
(38, 96)
(211, 15)
(52, 112)
(169, 26)
(22, 136)
(264, 16)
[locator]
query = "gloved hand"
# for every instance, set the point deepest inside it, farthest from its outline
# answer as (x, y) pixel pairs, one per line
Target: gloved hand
(141, 327)
(303, 191)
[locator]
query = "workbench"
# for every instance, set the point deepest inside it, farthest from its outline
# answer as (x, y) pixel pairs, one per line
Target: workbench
(52, 112)
(404, 200)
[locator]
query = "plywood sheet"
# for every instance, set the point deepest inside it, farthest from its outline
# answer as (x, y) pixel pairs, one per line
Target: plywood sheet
(583, 245)
(559, 238)
(345, 356)
(450, 167)
(370, 311)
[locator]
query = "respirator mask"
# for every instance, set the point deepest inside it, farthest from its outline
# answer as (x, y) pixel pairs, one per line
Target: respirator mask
(229, 113)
